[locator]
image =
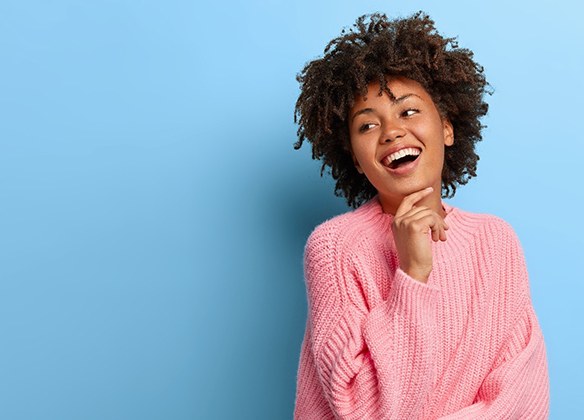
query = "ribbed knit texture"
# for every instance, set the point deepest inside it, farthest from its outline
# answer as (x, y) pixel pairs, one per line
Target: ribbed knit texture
(382, 345)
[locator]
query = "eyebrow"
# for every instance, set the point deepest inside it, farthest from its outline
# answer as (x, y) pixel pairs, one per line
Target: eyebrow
(395, 101)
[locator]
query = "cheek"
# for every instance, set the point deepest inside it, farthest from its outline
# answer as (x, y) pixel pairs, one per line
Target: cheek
(432, 135)
(362, 152)
(427, 131)
(355, 147)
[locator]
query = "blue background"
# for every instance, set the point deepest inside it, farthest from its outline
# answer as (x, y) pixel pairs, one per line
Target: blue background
(153, 212)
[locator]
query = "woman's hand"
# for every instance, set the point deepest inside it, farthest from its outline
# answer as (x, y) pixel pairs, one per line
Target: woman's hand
(411, 225)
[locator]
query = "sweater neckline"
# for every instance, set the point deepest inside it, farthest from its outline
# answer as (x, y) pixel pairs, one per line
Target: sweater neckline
(462, 227)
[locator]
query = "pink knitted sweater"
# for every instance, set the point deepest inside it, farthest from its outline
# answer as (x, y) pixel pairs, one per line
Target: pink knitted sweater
(381, 345)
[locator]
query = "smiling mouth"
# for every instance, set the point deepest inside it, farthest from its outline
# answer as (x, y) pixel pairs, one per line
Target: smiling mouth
(401, 158)
(402, 161)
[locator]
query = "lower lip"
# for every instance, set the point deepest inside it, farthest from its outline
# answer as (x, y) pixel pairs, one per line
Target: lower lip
(405, 169)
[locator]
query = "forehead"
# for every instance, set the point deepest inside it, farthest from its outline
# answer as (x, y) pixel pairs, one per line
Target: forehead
(397, 87)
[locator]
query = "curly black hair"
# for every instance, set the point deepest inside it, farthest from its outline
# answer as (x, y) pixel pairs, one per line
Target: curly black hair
(374, 49)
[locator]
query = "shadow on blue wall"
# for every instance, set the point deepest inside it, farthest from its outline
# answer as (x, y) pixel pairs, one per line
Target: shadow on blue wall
(298, 200)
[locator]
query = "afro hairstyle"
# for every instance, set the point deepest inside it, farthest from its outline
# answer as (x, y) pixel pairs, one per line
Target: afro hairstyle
(373, 50)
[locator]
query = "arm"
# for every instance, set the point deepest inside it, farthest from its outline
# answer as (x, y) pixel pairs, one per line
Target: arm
(359, 361)
(517, 387)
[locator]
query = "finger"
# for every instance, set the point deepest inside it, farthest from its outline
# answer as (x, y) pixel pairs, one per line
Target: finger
(417, 209)
(442, 235)
(409, 200)
(427, 221)
(414, 211)
(423, 221)
(421, 212)
(437, 228)
(436, 234)
(413, 220)
(442, 230)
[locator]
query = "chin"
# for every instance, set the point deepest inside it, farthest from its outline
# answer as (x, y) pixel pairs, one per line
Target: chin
(408, 188)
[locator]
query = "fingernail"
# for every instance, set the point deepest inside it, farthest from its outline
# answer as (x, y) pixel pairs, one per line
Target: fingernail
(429, 189)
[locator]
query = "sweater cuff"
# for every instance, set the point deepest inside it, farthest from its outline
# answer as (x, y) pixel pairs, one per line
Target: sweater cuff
(412, 298)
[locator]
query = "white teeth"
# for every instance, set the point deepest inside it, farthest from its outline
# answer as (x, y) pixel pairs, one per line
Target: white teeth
(401, 153)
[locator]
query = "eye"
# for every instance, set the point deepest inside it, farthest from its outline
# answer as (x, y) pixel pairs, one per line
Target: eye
(409, 112)
(366, 127)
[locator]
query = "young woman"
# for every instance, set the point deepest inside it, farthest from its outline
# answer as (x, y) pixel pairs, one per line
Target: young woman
(417, 309)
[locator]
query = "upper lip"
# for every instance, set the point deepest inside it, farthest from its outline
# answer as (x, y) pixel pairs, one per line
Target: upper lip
(397, 148)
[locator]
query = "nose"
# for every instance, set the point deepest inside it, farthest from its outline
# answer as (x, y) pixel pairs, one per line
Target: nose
(392, 131)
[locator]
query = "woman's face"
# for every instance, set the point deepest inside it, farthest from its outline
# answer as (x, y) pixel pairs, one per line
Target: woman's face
(398, 143)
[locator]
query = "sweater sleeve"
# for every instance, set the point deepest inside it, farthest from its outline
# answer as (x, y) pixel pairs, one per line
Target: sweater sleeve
(359, 361)
(517, 385)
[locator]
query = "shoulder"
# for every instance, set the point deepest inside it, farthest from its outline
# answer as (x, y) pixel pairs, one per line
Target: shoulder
(490, 230)
(502, 243)
(499, 248)
(336, 240)
(332, 237)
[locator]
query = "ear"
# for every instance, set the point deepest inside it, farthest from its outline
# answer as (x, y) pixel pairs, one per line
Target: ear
(448, 132)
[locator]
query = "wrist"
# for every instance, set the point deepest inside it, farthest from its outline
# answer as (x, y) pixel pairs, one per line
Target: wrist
(417, 274)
